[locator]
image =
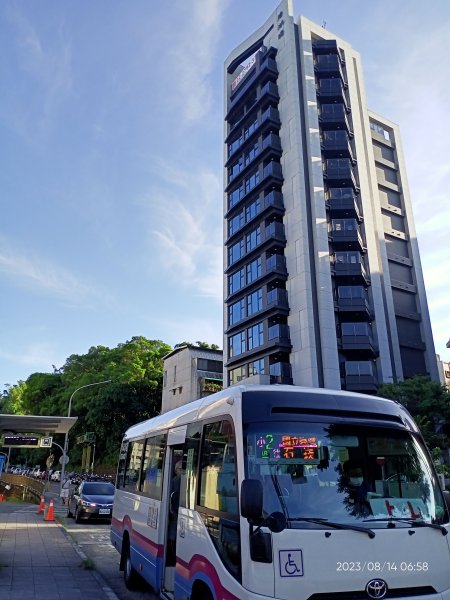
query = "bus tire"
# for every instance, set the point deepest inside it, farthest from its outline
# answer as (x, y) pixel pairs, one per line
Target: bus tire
(130, 575)
(201, 591)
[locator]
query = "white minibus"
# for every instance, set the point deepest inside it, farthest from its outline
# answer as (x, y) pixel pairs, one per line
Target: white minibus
(285, 492)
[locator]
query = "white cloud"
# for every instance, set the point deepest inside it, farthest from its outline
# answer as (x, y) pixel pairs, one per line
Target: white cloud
(192, 54)
(44, 276)
(44, 67)
(185, 216)
(36, 357)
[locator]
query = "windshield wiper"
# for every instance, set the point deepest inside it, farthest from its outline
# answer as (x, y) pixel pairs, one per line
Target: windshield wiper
(334, 525)
(412, 522)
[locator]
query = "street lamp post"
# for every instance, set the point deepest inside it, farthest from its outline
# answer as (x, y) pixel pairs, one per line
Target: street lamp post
(66, 439)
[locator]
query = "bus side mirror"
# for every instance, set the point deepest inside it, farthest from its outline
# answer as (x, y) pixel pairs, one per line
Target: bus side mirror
(251, 499)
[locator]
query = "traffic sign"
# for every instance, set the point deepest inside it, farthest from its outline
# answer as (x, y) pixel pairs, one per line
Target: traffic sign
(63, 460)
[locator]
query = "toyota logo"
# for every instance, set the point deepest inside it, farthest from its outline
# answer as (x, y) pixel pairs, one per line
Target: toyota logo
(376, 588)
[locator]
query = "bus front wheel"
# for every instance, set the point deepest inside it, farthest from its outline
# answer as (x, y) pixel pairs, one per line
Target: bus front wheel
(130, 575)
(201, 592)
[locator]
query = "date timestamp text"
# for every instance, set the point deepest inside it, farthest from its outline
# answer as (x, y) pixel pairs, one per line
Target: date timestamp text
(381, 566)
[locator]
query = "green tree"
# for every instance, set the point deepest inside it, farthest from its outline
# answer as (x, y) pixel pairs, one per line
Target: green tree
(12, 399)
(429, 404)
(198, 344)
(135, 368)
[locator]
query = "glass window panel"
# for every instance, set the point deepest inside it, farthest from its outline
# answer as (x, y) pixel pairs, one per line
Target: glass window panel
(153, 467)
(218, 474)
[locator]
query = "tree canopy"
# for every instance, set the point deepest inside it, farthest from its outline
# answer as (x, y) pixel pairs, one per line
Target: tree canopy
(429, 404)
(135, 369)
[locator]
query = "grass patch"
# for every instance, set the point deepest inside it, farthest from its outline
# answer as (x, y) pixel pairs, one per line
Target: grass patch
(87, 564)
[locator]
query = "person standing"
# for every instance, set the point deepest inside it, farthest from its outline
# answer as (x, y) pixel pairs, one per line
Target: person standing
(65, 489)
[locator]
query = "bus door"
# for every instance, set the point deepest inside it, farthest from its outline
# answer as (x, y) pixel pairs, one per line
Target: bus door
(171, 500)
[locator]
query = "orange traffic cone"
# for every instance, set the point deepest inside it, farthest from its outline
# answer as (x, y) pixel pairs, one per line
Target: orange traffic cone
(49, 516)
(41, 505)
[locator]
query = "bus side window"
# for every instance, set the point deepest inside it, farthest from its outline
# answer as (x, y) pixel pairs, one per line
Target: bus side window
(191, 449)
(153, 467)
(218, 492)
(218, 489)
(133, 466)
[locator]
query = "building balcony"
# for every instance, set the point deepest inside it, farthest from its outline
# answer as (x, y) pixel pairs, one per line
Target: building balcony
(355, 308)
(329, 65)
(332, 90)
(363, 345)
(277, 298)
(273, 171)
(274, 200)
(280, 372)
(351, 273)
(276, 264)
(347, 239)
(273, 142)
(338, 172)
(279, 335)
(360, 383)
(275, 231)
(269, 91)
(359, 375)
(267, 70)
(334, 116)
(342, 203)
(325, 47)
(336, 144)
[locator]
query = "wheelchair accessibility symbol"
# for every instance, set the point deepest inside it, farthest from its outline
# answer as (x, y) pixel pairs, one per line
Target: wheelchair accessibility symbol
(291, 563)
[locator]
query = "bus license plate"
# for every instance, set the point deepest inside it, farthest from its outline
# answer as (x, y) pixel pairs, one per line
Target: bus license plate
(104, 511)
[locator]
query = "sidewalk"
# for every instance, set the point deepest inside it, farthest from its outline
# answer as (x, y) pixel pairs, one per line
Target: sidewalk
(38, 561)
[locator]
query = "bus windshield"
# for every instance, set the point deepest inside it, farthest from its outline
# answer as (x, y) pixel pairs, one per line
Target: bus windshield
(370, 476)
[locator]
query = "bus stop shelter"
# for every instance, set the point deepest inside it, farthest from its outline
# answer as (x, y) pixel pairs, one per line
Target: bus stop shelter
(35, 424)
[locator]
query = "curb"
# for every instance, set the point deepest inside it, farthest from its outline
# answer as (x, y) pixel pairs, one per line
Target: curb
(100, 579)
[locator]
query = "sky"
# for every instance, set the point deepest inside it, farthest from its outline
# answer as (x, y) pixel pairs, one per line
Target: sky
(111, 142)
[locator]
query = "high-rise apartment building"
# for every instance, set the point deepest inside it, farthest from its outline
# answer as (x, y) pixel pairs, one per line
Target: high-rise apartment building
(323, 284)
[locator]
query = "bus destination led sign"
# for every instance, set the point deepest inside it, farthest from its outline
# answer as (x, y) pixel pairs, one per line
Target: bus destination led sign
(298, 448)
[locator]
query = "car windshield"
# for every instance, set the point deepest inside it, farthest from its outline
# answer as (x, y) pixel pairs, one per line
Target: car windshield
(98, 489)
(370, 476)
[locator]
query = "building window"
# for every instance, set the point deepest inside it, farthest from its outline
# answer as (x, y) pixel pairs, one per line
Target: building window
(235, 196)
(344, 225)
(165, 379)
(254, 270)
(252, 210)
(206, 364)
(235, 252)
(256, 367)
(254, 302)
(235, 223)
(351, 291)
(236, 312)
(355, 329)
(358, 367)
(251, 154)
(250, 129)
(175, 373)
(236, 375)
(251, 181)
(347, 257)
(235, 169)
(237, 344)
(255, 336)
(252, 239)
(236, 281)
